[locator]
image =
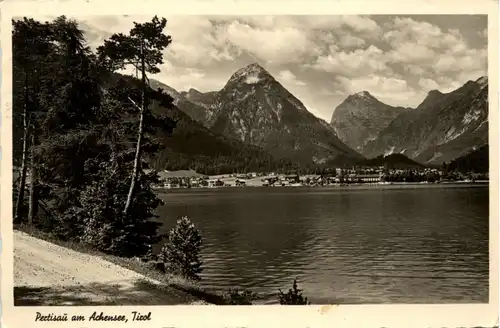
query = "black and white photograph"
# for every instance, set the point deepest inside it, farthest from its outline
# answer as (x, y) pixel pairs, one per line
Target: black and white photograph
(250, 159)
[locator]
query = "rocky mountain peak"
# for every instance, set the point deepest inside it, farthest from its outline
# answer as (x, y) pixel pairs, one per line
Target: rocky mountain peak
(251, 74)
(155, 85)
(482, 81)
(434, 92)
(193, 93)
(432, 97)
(360, 117)
(363, 95)
(255, 108)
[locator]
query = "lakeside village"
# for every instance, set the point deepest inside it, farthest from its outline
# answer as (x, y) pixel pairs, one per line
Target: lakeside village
(337, 177)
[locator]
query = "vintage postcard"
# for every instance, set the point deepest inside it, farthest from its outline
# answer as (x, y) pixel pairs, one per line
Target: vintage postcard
(303, 163)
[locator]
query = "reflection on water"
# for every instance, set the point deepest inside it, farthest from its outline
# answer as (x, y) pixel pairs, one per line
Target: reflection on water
(403, 244)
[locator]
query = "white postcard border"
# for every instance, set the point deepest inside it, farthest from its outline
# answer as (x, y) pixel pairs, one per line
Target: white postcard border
(464, 315)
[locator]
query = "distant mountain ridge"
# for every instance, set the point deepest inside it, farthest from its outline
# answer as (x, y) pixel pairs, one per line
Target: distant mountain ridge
(194, 103)
(360, 117)
(256, 109)
(204, 100)
(442, 127)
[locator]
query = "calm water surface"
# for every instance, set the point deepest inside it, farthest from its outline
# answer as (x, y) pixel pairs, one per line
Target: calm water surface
(404, 244)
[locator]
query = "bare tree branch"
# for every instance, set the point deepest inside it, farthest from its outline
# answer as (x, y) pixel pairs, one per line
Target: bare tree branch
(135, 104)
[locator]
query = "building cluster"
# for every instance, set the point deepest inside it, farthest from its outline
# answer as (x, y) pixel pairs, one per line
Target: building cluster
(340, 176)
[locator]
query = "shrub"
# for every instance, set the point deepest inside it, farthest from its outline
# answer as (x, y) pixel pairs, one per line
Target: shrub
(181, 253)
(235, 297)
(105, 227)
(293, 297)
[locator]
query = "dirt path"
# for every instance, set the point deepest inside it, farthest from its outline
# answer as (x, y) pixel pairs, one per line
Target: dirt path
(48, 274)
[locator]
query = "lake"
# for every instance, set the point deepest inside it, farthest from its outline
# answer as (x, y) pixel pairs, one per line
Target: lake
(349, 245)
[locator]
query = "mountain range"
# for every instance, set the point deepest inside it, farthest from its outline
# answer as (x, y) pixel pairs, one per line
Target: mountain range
(443, 127)
(188, 144)
(254, 109)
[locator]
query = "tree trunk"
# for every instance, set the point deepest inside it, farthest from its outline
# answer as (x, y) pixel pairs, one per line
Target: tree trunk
(22, 184)
(137, 159)
(33, 202)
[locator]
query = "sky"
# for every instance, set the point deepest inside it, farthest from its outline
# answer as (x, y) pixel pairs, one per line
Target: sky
(320, 59)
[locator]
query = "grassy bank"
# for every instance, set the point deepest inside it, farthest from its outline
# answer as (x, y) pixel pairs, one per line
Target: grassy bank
(189, 289)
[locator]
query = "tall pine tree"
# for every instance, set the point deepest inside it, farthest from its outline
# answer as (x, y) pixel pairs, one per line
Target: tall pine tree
(31, 45)
(142, 49)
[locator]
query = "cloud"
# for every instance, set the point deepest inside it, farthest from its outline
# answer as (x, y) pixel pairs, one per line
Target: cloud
(202, 44)
(183, 79)
(98, 28)
(360, 24)
(354, 63)
(373, 83)
(280, 45)
(409, 52)
(483, 33)
(425, 38)
(287, 77)
(407, 29)
(426, 49)
(428, 84)
(275, 40)
(387, 89)
(320, 59)
(414, 70)
(349, 41)
(471, 60)
(447, 84)
(471, 75)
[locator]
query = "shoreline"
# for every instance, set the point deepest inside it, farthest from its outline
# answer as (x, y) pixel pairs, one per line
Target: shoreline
(330, 186)
(143, 284)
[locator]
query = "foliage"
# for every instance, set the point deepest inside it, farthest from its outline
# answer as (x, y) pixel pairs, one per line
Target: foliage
(393, 161)
(104, 225)
(142, 49)
(144, 40)
(235, 297)
(85, 128)
(181, 253)
(31, 42)
(476, 161)
(293, 297)
(55, 82)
